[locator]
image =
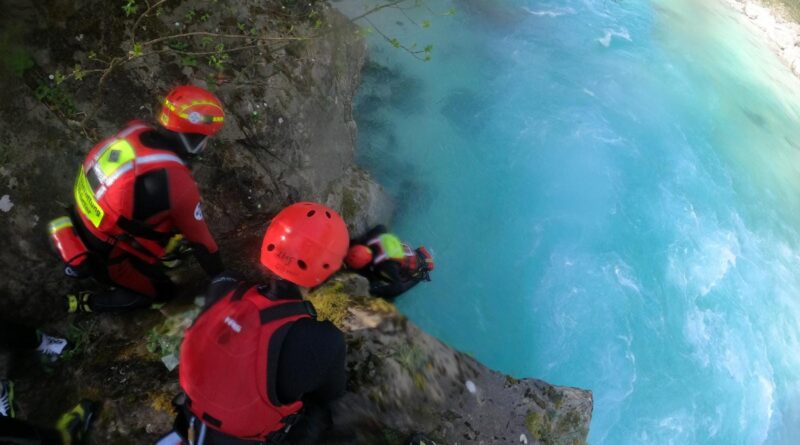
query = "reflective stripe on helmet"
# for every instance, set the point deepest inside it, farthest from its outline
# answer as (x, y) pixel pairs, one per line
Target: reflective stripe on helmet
(183, 115)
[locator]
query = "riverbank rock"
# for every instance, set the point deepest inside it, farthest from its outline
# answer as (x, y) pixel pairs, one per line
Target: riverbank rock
(287, 72)
(403, 380)
(778, 26)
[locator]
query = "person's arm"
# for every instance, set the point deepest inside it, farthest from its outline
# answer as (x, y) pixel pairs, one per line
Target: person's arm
(312, 363)
(187, 215)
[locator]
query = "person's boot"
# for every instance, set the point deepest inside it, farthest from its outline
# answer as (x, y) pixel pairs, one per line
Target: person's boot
(51, 347)
(74, 425)
(7, 398)
(78, 302)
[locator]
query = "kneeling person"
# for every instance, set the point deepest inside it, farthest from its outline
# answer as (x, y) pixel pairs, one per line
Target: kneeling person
(256, 358)
(133, 195)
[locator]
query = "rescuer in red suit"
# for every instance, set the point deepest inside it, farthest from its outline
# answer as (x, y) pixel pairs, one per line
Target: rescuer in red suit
(133, 195)
(256, 366)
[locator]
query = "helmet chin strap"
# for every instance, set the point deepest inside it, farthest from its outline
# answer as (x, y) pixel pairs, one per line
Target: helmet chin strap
(197, 149)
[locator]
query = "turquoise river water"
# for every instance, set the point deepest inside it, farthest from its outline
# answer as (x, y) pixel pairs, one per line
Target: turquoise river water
(612, 193)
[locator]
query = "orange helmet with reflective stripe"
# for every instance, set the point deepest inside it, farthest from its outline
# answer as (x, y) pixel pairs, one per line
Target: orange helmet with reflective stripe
(305, 243)
(191, 109)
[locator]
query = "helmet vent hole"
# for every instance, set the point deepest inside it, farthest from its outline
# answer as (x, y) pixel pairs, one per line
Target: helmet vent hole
(302, 264)
(270, 247)
(328, 214)
(311, 213)
(326, 266)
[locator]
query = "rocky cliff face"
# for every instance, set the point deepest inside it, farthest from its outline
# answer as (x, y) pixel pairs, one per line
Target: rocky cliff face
(73, 72)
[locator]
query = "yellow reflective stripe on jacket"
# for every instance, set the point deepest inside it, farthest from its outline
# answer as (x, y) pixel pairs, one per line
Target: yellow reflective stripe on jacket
(115, 156)
(84, 197)
(58, 224)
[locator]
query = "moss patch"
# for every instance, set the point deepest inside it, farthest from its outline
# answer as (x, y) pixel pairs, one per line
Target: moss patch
(162, 402)
(537, 426)
(331, 303)
(350, 206)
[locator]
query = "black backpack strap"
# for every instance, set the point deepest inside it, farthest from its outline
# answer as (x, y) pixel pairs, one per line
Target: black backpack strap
(142, 230)
(242, 289)
(287, 310)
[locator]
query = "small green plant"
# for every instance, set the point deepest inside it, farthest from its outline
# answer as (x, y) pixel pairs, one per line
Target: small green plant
(191, 15)
(411, 357)
(56, 98)
(79, 337)
(219, 58)
(178, 45)
(136, 51)
(189, 61)
(130, 8)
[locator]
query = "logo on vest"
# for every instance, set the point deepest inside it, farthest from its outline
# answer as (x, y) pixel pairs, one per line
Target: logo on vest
(237, 328)
(198, 212)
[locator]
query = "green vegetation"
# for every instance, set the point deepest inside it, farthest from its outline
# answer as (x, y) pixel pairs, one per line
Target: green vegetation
(14, 59)
(331, 303)
(568, 429)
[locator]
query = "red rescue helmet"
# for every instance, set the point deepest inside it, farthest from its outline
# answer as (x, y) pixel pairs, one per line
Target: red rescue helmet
(191, 109)
(305, 243)
(358, 256)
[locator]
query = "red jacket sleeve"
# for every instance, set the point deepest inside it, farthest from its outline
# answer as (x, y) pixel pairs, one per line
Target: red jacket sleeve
(187, 210)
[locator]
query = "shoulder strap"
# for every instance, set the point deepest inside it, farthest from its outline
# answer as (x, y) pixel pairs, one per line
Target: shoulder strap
(240, 291)
(287, 310)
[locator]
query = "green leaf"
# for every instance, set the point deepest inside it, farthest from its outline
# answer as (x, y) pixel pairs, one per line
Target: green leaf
(130, 7)
(137, 50)
(77, 72)
(426, 23)
(394, 42)
(450, 12)
(58, 76)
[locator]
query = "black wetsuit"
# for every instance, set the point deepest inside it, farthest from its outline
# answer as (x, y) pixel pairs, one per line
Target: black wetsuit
(387, 279)
(311, 366)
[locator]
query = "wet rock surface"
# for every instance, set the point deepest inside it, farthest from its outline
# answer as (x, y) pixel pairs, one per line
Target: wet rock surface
(289, 135)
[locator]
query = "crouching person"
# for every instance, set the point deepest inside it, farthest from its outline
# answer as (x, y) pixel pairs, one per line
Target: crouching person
(256, 366)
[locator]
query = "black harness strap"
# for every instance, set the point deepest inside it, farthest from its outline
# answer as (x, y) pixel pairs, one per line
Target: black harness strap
(141, 230)
(212, 420)
(287, 310)
(240, 291)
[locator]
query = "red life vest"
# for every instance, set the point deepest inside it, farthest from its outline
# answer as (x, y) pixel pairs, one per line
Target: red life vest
(229, 361)
(104, 190)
